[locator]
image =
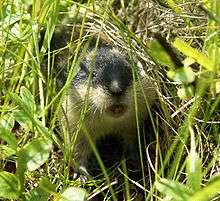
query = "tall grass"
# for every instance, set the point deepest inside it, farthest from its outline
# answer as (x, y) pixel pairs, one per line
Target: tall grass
(36, 149)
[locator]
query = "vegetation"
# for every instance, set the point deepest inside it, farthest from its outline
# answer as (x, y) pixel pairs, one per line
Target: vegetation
(178, 43)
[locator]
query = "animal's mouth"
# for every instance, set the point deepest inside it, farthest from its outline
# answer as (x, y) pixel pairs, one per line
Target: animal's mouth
(117, 110)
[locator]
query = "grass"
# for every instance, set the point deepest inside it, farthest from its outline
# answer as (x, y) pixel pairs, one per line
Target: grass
(36, 151)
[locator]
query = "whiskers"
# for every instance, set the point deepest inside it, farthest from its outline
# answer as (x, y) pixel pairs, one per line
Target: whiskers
(98, 100)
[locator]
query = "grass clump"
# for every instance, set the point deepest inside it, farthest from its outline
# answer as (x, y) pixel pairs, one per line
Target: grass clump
(178, 44)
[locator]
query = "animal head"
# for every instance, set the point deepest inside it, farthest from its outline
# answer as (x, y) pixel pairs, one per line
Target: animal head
(113, 82)
(106, 78)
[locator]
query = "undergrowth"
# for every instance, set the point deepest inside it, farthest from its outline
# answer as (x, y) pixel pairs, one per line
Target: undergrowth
(178, 44)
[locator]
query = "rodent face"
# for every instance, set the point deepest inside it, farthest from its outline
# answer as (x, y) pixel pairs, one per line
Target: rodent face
(111, 94)
(113, 76)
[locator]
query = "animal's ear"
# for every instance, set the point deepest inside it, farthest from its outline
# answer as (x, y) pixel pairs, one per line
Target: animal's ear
(52, 47)
(58, 39)
(59, 52)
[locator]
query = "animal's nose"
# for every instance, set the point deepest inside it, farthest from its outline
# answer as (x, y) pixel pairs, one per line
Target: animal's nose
(116, 88)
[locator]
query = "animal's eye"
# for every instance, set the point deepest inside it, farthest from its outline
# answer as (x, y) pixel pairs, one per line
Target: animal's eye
(84, 68)
(94, 74)
(88, 71)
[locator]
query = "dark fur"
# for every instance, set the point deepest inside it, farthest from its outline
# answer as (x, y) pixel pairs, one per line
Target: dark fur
(111, 98)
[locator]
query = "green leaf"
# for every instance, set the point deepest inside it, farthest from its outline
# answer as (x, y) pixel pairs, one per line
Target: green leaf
(28, 98)
(8, 137)
(173, 189)
(6, 151)
(35, 153)
(174, 6)
(211, 190)
(194, 172)
(7, 121)
(26, 104)
(73, 194)
(191, 52)
(194, 166)
(27, 114)
(9, 187)
(37, 194)
(207, 3)
(24, 107)
(217, 87)
(22, 118)
(47, 186)
(187, 62)
(185, 92)
(160, 54)
(184, 75)
(217, 8)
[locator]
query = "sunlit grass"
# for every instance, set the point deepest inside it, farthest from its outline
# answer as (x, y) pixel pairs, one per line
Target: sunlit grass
(30, 106)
